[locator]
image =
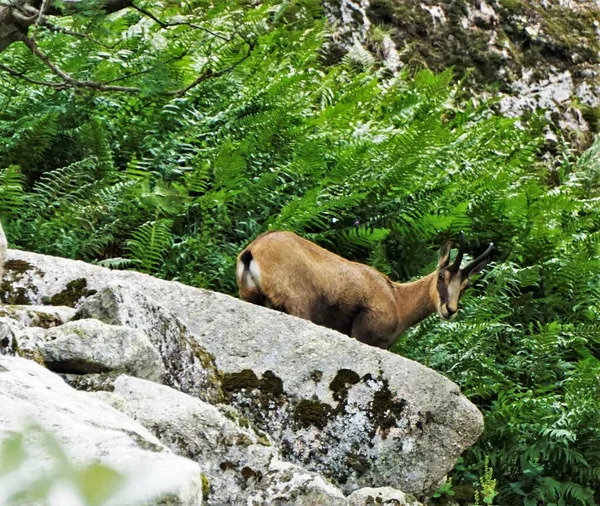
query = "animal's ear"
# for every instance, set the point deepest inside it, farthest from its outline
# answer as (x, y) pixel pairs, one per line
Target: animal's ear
(444, 255)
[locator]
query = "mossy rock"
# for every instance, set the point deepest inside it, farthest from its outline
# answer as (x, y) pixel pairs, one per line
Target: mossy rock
(474, 51)
(385, 408)
(312, 413)
(243, 380)
(205, 486)
(17, 266)
(269, 384)
(73, 293)
(343, 380)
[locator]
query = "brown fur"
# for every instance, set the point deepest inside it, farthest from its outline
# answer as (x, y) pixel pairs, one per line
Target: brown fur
(298, 277)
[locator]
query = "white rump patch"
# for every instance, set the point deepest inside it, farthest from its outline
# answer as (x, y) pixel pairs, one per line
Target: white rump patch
(254, 281)
(250, 277)
(239, 270)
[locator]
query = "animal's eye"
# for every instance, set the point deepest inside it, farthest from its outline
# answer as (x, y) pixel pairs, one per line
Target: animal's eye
(441, 276)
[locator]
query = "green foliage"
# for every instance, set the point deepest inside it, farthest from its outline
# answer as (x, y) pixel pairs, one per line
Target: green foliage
(149, 243)
(488, 485)
(24, 480)
(378, 168)
(527, 350)
(445, 489)
(36, 469)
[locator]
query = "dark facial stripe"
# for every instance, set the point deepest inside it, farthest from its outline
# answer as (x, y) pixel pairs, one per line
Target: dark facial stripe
(443, 291)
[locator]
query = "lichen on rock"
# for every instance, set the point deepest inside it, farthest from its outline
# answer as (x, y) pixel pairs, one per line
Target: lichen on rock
(72, 294)
(196, 430)
(14, 286)
(189, 366)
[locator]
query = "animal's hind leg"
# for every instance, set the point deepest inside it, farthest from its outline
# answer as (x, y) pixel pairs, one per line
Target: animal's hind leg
(372, 328)
(296, 308)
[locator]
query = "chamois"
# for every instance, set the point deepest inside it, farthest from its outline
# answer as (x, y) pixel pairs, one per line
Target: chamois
(3, 249)
(283, 271)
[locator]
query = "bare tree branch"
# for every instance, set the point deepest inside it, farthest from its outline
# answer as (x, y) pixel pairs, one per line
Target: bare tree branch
(146, 71)
(39, 19)
(70, 6)
(71, 82)
(21, 75)
(209, 74)
(168, 24)
(16, 16)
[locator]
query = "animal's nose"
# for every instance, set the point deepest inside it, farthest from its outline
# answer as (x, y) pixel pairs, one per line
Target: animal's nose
(450, 310)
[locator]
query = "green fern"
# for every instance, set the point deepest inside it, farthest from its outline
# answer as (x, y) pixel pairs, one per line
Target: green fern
(12, 194)
(149, 243)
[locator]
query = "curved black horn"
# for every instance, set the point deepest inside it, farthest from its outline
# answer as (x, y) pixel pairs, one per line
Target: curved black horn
(461, 251)
(468, 268)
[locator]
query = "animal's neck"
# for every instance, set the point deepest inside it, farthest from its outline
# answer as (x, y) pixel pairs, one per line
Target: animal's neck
(414, 301)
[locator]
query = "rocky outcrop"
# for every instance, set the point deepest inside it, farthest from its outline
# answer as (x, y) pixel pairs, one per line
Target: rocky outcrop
(139, 436)
(536, 54)
(90, 346)
(240, 463)
(384, 496)
(359, 421)
(269, 405)
(89, 431)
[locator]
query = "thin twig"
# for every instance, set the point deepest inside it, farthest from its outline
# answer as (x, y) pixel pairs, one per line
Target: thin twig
(168, 24)
(145, 71)
(21, 75)
(68, 78)
(59, 29)
(210, 74)
(39, 19)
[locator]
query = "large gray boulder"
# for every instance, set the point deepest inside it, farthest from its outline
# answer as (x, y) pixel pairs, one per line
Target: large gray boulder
(241, 464)
(90, 431)
(360, 416)
(189, 366)
(90, 346)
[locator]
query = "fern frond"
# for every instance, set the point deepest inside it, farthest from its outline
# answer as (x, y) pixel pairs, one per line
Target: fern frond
(149, 243)
(12, 194)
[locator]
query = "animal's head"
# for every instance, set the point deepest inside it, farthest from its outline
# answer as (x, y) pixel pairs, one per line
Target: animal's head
(451, 280)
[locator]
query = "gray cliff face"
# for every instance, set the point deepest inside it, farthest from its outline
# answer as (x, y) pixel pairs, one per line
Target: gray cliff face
(539, 55)
(269, 406)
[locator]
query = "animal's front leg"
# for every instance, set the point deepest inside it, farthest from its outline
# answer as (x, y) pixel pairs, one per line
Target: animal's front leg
(373, 328)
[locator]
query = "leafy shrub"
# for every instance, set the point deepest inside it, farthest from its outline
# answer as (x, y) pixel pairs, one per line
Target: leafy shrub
(34, 469)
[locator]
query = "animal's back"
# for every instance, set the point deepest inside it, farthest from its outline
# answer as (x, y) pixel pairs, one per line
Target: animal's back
(296, 265)
(283, 271)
